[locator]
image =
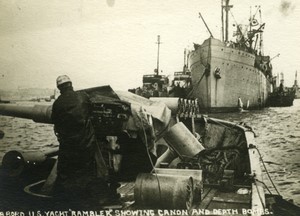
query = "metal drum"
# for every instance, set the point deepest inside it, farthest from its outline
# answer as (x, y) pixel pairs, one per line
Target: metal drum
(195, 174)
(167, 191)
(183, 141)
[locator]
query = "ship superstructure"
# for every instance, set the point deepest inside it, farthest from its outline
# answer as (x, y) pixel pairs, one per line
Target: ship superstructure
(225, 72)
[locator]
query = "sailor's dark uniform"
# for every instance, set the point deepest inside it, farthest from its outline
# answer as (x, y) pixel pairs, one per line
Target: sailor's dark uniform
(77, 173)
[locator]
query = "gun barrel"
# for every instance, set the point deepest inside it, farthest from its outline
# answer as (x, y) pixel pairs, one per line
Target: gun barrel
(38, 113)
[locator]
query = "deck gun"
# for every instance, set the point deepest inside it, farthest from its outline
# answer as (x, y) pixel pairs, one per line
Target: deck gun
(114, 113)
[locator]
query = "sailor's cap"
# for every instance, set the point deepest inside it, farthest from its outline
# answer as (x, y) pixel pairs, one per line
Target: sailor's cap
(62, 79)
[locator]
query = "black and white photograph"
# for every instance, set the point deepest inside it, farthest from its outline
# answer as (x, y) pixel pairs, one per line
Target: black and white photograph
(149, 108)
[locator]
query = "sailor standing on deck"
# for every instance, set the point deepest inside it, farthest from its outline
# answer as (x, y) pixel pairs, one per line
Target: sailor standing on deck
(81, 171)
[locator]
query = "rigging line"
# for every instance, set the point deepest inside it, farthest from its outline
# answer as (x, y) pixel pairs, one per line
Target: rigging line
(226, 126)
(196, 84)
(259, 195)
(148, 153)
(264, 185)
(205, 66)
(239, 29)
(256, 11)
(267, 171)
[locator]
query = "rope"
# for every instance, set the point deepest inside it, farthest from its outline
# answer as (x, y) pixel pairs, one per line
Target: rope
(219, 123)
(239, 29)
(260, 198)
(264, 185)
(203, 72)
(196, 84)
(267, 171)
(148, 153)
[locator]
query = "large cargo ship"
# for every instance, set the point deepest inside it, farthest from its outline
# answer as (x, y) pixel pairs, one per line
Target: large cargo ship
(227, 74)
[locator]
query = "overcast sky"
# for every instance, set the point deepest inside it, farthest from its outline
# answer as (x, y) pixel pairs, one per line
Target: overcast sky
(98, 42)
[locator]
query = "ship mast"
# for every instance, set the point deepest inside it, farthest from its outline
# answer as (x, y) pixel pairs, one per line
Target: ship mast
(250, 26)
(282, 78)
(184, 61)
(261, 35)
(222, 20)
(158, 45)
(226, 7)
(296, 80)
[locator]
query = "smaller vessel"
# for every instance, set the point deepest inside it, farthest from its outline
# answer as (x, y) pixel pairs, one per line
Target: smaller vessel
(154, 85)
(281, 96)
(158, 85)
(181, 85)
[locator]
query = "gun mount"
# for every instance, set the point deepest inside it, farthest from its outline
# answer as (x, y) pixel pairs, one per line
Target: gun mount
(125, 116)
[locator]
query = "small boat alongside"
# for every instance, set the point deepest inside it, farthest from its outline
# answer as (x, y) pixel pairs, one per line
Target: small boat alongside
(281, 96)
(281, 99)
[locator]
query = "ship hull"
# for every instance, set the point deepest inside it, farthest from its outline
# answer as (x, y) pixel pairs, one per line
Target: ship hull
(223, 75)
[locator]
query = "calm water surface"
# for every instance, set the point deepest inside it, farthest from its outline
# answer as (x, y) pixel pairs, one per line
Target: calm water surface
(278, 140)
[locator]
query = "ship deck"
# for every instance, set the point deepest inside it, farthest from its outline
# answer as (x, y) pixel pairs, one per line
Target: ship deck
(213, 200)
